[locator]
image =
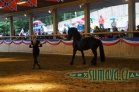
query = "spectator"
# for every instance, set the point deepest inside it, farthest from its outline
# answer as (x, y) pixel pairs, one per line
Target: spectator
(21, 34)
(46, 37)
(42, 29)
(27, 33)
(116, 35)
(43, 37)
(80, 27)
(58, 37)
(101, 22)
(123, 34)
(35, 32)
(64, 32)
(39, 34)
(96, 29)
(108, 35)
(127, 26)
(66, 26)
(51, 37)
(137, 34)
(113, 24)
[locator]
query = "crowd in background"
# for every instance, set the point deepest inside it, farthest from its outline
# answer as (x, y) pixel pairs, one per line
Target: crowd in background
(81, 28)
(97, 29)
(43, 35)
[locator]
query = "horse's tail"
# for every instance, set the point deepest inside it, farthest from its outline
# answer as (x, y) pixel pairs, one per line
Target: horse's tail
(102, 54)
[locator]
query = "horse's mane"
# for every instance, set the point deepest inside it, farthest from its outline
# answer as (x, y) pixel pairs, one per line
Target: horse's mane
(74, 32)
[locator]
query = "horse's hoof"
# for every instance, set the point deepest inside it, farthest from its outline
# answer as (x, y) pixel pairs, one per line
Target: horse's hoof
(71, 63)
(84, 63)
(33, 67)
(93, 63)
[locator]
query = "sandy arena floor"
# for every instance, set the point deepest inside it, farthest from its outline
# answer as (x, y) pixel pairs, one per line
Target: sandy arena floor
(16, 74)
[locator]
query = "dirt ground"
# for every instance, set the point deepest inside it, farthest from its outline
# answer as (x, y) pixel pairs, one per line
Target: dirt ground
(17, 75)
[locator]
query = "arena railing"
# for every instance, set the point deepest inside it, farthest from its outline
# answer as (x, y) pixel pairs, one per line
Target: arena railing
(56, 35)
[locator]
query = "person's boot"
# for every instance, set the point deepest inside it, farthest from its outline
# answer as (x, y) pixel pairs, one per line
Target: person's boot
(33, 67)
(39, 66)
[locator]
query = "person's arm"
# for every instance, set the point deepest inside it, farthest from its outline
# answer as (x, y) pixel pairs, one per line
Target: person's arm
(103, 20)
(39, 45)
(31, 45)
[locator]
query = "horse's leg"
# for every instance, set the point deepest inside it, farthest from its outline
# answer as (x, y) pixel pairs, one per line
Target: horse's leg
(94, 60)
(84, 62)
(73, 56)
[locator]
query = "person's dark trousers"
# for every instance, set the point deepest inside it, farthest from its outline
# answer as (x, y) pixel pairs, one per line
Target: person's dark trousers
(36, 61)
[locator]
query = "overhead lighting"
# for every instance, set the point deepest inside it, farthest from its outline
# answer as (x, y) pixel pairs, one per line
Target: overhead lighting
(25, 15)
(6, 18)
(82, 5)
(21, 2)
(50, 11)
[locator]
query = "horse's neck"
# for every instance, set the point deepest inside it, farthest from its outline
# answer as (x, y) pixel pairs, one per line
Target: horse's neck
(76, 38)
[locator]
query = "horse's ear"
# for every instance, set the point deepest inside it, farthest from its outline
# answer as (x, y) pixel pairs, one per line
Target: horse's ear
(69, 30)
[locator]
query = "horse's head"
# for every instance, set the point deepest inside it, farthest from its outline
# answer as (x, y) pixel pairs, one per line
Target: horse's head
(73, 32)
(69, 34)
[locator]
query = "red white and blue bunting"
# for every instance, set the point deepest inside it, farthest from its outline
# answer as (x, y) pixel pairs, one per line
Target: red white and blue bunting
(27, 42)
(131, 41)
(1, 41)
(17, 42)
(110, 41)
(8, 41)
(66, 42)
(105, 41)
(54, 41)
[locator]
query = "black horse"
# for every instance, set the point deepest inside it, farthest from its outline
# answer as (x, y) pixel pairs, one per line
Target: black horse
(84, 43)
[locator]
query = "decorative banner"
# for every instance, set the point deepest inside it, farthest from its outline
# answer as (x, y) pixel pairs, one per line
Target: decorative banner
(110, 41)
(105, 41)
(1, 41)
(28, 3)
(54, 41)
(54, 0)
(42, 41)
(66, 42)
(131, 41)
(8, 5)
(8, 42)
(27, 42)
(17, 42)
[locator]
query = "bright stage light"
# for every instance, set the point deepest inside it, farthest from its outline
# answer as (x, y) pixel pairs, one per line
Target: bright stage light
(49, 11)
(82, 5)
(25, 15)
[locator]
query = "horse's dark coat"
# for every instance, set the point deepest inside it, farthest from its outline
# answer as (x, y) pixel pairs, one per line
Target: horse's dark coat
(85, 43)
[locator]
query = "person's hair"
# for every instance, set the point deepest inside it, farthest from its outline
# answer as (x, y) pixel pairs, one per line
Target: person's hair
(34, 38)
